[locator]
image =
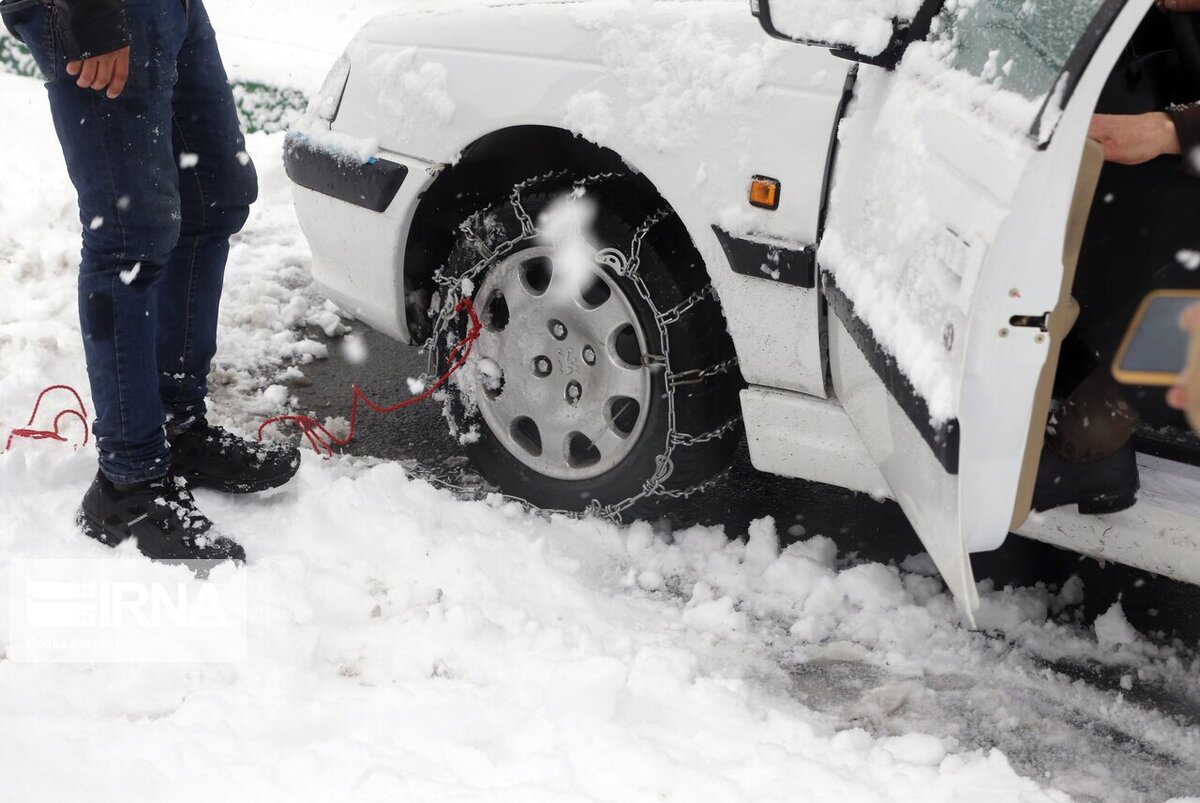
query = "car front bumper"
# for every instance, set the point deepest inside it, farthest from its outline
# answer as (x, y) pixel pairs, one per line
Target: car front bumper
(356, 218)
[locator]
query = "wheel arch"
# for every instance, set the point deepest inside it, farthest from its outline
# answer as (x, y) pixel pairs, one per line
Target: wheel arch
(492, 165)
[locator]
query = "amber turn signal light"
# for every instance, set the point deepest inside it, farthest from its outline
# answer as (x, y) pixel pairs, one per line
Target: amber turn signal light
(764, 192)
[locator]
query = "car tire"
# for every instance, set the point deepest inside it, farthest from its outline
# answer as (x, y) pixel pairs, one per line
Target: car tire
(648, 405)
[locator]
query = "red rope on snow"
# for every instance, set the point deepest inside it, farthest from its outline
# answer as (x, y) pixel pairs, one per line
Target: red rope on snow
(322, 440)
(319, 436)
(30, 433)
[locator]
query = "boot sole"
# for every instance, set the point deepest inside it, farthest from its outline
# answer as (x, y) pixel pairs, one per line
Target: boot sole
(99, 533)
(238, 488)
(1102, 504)
(95, 531)
(1098, 504)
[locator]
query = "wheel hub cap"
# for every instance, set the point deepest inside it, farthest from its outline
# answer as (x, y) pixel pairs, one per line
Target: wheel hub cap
(559, 378)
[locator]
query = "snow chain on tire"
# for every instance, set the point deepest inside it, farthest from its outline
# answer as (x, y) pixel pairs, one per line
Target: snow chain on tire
(452, 287)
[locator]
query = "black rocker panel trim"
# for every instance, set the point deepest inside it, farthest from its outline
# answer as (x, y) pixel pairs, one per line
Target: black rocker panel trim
(772, 263)
(943, 439)
(372, 185)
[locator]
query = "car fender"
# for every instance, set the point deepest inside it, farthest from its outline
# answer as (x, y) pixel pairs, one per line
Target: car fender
(691, 95)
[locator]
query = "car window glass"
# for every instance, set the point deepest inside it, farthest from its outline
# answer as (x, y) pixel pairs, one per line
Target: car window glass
(1018, 45)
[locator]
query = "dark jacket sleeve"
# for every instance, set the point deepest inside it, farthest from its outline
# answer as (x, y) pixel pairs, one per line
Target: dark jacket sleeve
(91, 27)
(1187, 126)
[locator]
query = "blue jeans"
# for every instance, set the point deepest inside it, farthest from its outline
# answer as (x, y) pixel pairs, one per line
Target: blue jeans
(163, 181)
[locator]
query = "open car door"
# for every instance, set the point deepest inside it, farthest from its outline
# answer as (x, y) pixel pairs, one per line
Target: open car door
(943, 255)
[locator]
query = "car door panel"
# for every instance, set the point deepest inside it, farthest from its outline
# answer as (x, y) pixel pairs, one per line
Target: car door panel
(919, 481)
(965, 217)
(1059, 324)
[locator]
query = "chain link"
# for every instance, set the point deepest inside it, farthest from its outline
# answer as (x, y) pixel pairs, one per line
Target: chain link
(697, 376)
(699, 488)
(451, 286)
(679, 310)
(683, 439)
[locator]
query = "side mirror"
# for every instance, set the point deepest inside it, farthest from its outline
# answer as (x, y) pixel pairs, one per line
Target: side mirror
(792, 25)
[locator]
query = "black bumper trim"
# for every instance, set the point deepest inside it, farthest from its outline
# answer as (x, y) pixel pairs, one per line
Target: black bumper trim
(372, 185)
(773, 263)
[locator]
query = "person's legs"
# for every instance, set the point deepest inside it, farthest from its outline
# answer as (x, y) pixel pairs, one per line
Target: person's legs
(1138, 223)
(1098, 418)
(1094, 422)
(1089, 456)
(217, 184)
(120, 158)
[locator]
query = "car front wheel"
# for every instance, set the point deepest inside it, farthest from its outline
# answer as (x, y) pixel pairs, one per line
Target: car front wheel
(603, 375)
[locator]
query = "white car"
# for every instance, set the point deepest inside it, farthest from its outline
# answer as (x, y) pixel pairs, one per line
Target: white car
(857, 247)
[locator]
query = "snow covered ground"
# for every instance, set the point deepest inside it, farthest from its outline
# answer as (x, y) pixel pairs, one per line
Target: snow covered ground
(405, 645)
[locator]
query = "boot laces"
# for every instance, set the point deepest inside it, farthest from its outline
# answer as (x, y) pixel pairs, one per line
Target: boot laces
(175, 501)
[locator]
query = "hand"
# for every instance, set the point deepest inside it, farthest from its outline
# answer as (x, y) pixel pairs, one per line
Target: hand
(108, 71)
(1131, 139)
(1189, 321)
(1182, 6)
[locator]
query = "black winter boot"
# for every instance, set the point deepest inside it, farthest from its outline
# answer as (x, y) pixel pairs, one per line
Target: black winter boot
(209, 457)
(1101, 486)
(161, 515)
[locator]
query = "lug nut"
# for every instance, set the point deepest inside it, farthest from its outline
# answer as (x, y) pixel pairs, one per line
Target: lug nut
(542, 366)
(574, 391)
(558, 330)
(589, 355)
